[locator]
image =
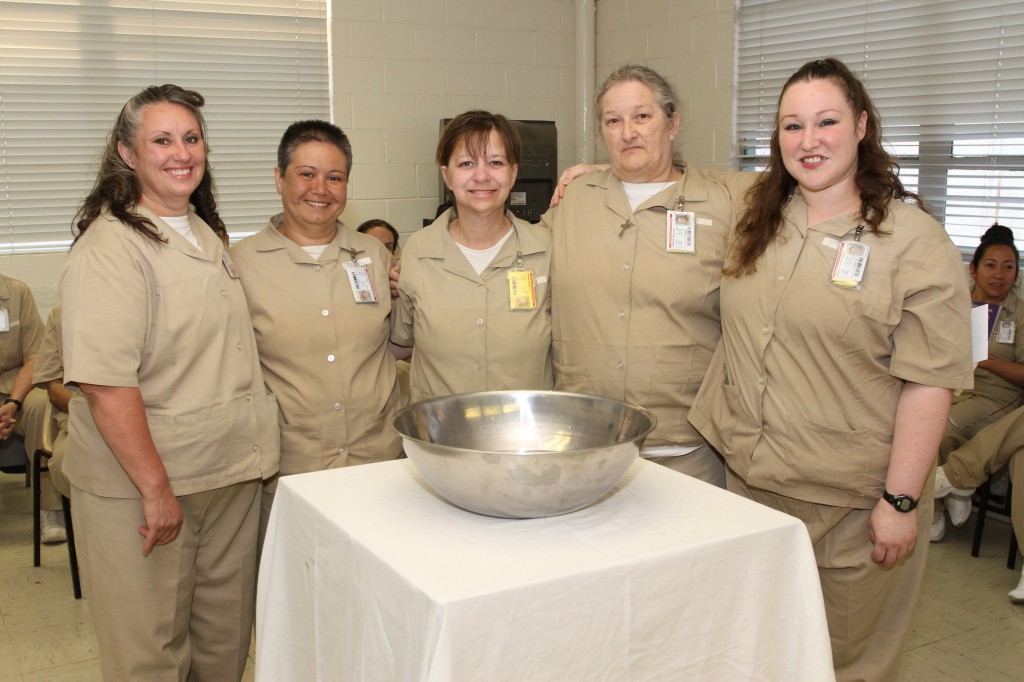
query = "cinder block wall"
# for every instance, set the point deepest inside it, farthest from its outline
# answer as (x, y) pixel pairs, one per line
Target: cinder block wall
(399, 66)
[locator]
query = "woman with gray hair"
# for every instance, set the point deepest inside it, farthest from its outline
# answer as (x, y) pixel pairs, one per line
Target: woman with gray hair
(174, 431)
(638, 254)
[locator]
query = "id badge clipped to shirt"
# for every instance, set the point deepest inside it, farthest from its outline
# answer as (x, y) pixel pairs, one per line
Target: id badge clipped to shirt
(681, 232)
(1007, 331)
(851, 262)
(5, 319)
(522, 287)
(359, 279)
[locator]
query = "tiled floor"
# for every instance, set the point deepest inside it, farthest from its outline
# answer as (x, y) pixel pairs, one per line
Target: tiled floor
(965, 629)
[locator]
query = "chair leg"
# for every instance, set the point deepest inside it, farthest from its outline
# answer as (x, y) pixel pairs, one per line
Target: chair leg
(36, 469)
(979, 524)
(76, 584)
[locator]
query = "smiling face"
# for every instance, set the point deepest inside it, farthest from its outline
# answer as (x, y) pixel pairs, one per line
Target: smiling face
(995, 274)
(637, 133)
(168, 155)
(818, 137)
(480, 182)
(313, 189)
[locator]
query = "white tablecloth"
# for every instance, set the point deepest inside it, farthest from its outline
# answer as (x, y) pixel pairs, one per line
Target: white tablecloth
(368, 575)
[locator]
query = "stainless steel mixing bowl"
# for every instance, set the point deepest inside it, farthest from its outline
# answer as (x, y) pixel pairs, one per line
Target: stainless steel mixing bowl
(522, 454)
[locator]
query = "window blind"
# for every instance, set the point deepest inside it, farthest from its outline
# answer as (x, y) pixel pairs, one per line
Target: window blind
(946, 76)
(68, 66)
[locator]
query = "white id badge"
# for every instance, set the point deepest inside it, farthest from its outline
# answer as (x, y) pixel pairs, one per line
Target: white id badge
(5, 320)
(229, 265)
(1007, 331)
(680, 232)
(359, 279)
(851, 262)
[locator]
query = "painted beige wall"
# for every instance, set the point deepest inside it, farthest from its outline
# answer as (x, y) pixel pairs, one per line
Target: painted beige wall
(399, 66)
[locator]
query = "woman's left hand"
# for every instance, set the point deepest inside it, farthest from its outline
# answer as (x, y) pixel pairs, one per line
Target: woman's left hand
(893, 533)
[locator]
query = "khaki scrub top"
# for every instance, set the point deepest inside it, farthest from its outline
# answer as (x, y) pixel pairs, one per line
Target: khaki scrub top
(324, 356)
(171, 320)
(801, 396)
(50, 360)
(632, 320)
(465, 336)
(987, 383)
(24, 330)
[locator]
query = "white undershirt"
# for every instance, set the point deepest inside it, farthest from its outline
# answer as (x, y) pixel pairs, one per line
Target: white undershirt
(639, 192)
(479, 260)
(315, 250)
(181, 226)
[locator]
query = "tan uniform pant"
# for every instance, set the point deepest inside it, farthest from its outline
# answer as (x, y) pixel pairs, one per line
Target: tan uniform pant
(185, 612)
(868, 608)
(30, 427)
(969, 414)
(56, 464)
(703, 463)
(996, 446)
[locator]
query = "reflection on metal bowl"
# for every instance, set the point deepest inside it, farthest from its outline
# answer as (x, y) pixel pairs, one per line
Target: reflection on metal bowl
(522, 454)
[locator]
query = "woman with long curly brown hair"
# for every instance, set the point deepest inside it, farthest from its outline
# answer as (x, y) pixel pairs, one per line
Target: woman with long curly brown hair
(173, 431)
(845, 326)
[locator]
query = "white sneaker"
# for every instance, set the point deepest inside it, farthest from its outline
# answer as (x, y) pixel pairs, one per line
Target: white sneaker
(943, 487)
(938, 526)
(52, 527)
(1017, 595)
(959, 508)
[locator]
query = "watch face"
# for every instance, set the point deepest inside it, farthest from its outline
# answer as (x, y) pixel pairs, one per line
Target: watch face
(905, 504)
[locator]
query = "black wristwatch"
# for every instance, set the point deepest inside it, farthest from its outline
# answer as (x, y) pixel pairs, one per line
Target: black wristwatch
(17, 403)
(902, 503)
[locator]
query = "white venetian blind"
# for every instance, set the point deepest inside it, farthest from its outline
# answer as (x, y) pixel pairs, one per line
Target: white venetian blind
(946, 76)
(68, 66)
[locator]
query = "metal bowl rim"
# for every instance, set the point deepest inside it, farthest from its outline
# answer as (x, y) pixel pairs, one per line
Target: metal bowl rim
(454, 449)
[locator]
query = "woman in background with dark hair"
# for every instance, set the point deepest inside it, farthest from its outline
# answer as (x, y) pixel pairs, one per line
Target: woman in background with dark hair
(382, 230)
(997, 380)
(845, 327)
(168, 447)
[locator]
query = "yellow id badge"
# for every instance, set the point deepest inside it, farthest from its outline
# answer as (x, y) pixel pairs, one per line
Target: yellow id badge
(522, 293)
(851, 262)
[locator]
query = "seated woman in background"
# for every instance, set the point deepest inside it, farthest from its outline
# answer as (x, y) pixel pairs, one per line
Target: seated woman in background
(320, 302)
(996, 446)
(473, 293)
(997, 380)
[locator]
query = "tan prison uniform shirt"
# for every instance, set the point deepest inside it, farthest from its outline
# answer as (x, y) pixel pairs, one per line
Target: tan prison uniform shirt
(324, 356)
(801, 396)
(171, 320)
(466, 337)
(25, 330)
(991, 385)
(631, 320)
(50, 360)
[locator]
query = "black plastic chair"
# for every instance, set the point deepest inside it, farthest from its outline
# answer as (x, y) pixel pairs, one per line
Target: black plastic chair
(40, 459)
(1000, 504)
